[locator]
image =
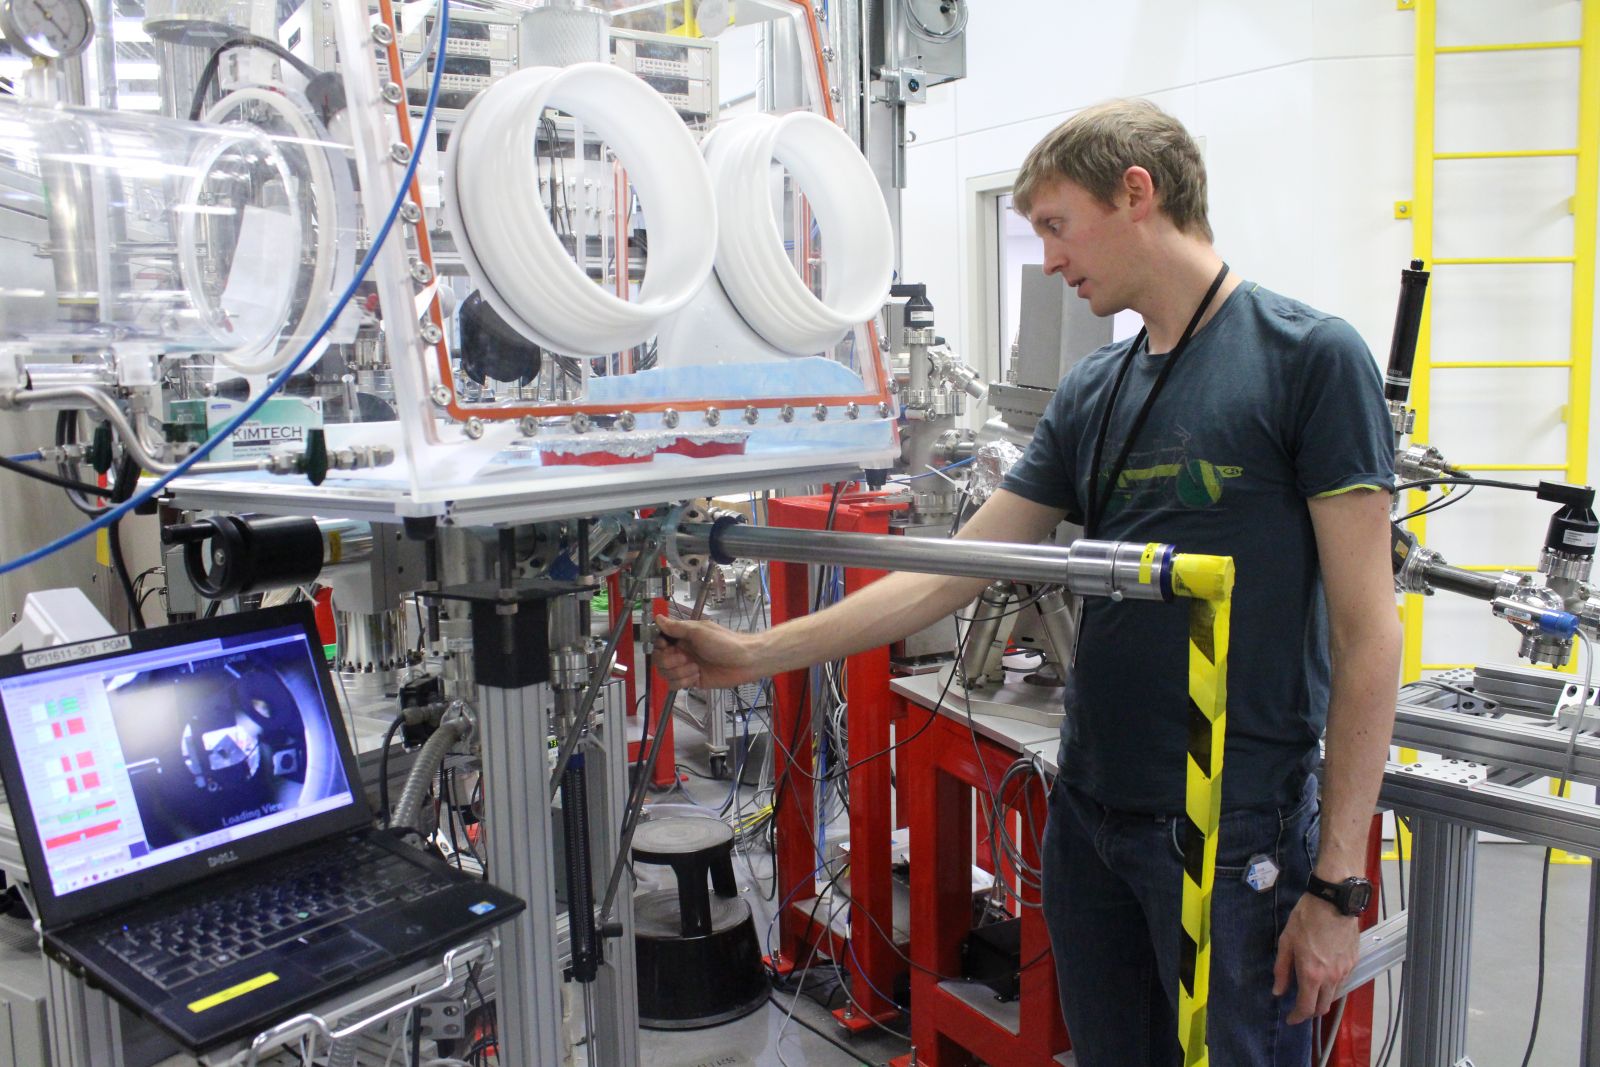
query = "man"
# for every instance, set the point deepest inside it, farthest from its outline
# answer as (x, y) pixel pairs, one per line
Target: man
(1239, 423)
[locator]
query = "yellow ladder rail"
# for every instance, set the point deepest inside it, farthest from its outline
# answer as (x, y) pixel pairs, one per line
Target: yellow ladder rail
(1419, 211)
(1501, 261)
(1499, 364)
(1524, 46)
(1516, 153)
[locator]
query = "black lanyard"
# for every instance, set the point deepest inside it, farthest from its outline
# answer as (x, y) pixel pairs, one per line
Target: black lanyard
(1098, 500)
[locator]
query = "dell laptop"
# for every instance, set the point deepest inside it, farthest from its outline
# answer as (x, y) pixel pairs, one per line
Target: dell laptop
(195, 832)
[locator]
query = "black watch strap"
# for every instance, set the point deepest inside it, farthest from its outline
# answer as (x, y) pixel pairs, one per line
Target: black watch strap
(1351, 896)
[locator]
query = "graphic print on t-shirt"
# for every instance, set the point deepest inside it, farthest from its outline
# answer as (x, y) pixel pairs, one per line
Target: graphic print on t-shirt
(1158, 479)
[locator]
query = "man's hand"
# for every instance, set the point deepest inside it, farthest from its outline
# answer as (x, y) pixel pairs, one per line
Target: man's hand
(1318, 949)
(703, 655)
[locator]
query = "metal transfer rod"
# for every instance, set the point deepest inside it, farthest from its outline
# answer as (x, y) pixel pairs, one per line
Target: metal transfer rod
(1096, 568)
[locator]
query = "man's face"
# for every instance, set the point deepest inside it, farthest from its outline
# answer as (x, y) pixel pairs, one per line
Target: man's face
(1086, 241)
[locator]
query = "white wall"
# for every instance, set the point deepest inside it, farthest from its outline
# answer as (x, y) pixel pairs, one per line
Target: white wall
(1305, 108)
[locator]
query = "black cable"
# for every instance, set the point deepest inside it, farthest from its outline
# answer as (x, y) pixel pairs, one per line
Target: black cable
(1544, 878)
(1391, 1040)
(1439, 504)
(772, 998)
(383, 767)
(933, 714)
(208, 74)
(416, 1037)
(447, 797)
(26, 471)
(805, 697)
(124, 480)
(1538, 989)
(67, 435)
(1463, 480)
(1390, 1045)
(119, 566)
(811, 960)
(123, 483)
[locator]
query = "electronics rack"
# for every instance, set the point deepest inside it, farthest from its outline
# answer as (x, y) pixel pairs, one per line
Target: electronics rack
(485, 46)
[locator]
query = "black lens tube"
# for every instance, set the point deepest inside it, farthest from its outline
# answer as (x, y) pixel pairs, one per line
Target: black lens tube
(1407, 325)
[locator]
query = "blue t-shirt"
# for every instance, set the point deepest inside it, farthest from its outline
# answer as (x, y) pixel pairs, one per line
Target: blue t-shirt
(1272, 403)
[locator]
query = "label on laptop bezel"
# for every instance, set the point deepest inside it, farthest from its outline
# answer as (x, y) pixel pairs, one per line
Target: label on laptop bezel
(133, 888)
(54, 657)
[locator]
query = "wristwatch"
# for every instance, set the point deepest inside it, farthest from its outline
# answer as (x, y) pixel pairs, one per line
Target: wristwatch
(1351, 896)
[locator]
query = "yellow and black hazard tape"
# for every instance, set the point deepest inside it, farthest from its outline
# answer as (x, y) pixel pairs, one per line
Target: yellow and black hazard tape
(1208, 580)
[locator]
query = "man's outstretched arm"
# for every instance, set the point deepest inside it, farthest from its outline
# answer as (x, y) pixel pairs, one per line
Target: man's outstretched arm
(703, 654)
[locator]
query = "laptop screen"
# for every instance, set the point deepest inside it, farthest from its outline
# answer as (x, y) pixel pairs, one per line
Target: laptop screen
(172, 748)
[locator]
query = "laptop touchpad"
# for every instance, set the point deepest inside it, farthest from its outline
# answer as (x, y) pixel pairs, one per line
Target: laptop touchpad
(326, 948)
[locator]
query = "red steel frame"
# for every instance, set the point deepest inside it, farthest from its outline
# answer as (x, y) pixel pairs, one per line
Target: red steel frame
(940, 770)
(871, 959)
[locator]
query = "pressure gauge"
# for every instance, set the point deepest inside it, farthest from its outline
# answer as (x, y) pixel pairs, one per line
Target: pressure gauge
(48, 29)
(936, 20)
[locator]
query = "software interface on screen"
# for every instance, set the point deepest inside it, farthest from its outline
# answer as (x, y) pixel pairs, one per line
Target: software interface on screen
(139, 759)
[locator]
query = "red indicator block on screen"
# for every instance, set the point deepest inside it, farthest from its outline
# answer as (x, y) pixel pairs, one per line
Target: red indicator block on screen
(82, 835)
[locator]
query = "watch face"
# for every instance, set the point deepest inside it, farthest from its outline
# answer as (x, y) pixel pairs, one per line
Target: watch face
(1360, 896)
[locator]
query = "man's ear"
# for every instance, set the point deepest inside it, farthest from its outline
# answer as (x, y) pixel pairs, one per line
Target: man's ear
(1140, 191)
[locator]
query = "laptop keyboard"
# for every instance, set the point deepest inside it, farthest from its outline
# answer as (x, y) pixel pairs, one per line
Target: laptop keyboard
(304, 897)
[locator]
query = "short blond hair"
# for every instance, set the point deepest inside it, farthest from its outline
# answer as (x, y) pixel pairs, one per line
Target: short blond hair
(1094, 149)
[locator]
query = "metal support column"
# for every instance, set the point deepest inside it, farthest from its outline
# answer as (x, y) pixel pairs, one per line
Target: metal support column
(85, 1030)
(1439, 943)
(1591, 975)
(514, 724)
(616, 991)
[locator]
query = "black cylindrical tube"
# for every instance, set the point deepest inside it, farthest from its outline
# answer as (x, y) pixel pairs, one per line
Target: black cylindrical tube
(1466, 583)
(1407, 324)
(580, 884)
(430, 570)
(249, 553)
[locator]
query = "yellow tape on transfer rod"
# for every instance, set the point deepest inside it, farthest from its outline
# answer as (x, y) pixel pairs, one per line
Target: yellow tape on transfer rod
(233, 992)
(1202, 577)
(1209, 579)
(1147, 560)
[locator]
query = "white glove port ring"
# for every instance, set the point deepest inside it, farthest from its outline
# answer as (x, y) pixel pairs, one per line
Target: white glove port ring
(507, 241)
(752, 263)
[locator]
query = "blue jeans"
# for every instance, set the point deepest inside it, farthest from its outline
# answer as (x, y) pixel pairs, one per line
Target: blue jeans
(1112, 900)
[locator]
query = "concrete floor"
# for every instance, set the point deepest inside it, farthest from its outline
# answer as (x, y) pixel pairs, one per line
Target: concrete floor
(1503, 972)
(1503, 978)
